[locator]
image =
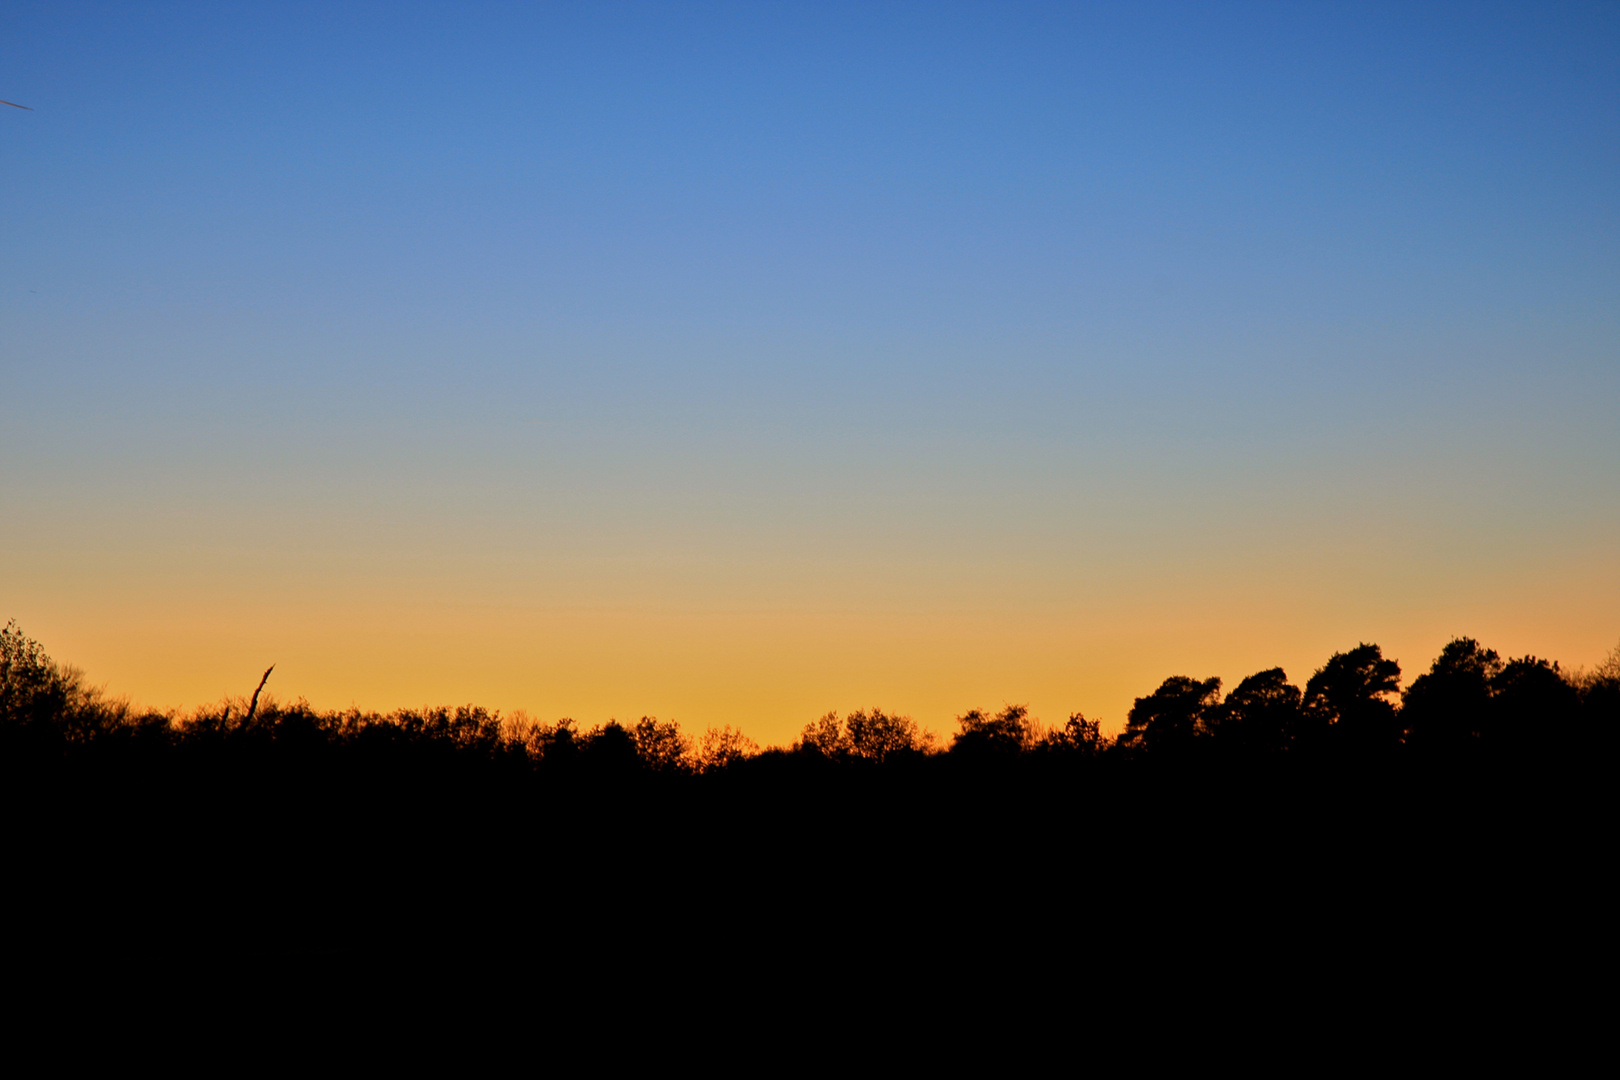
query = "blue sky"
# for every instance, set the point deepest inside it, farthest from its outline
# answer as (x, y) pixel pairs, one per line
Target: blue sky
(1288, 325)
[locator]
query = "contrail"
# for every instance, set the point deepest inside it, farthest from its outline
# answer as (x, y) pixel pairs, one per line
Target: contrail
(14, 105)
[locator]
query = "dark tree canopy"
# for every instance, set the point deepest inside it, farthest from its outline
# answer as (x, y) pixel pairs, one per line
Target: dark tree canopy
(864, 735)
(1078, 737)
(1531, 698)
(32, 687)
(1173, 716)
(874, 735)
(1347, 699)
(1447, 706)
(1469, 706)
(661, 746)
(1262, 715)
(1004, 734)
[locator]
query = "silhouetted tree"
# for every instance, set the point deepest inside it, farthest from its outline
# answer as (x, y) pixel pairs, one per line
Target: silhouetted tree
(1006, 734)
(723, 747)
(864, 735)
(823, 737)
(1171, 718)
(1261, 716)
(1468, 699)
(1078, 737)
(661, 747)
(1446, 707)
(552, 745)
(874, 735)
(1600, 704)
(1347, 701)
(43, 702)
(33, 690)
(1533, 705)
(610, 748)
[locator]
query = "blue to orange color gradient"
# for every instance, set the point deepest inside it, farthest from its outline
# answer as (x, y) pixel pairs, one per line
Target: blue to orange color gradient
(733, 363)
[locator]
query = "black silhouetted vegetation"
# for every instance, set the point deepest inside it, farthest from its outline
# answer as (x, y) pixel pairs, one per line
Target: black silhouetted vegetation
(1208, 812)
(1471, 705)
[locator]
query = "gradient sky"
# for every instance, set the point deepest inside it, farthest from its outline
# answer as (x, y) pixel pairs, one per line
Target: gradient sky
(734, 363)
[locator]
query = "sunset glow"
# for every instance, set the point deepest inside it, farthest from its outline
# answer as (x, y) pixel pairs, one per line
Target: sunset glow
(734, 364)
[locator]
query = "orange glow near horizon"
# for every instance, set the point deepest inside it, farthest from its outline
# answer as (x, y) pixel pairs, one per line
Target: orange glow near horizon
(768, 672)
(734, 364)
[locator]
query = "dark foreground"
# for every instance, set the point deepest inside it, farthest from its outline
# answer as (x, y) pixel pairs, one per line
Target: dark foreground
(1465, 829)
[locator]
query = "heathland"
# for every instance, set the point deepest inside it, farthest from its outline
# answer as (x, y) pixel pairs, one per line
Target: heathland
(1472, 706)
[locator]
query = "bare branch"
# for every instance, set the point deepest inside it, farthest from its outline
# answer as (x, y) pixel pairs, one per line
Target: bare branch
(254, 705)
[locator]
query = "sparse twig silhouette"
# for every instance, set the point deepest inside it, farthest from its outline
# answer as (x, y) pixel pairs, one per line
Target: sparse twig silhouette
(253, 706)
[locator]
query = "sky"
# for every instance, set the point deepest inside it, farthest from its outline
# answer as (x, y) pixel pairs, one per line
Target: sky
(735, 363)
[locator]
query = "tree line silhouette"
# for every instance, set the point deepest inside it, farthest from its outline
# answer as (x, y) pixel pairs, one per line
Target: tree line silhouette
(1470, 705)
(1262, 808)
